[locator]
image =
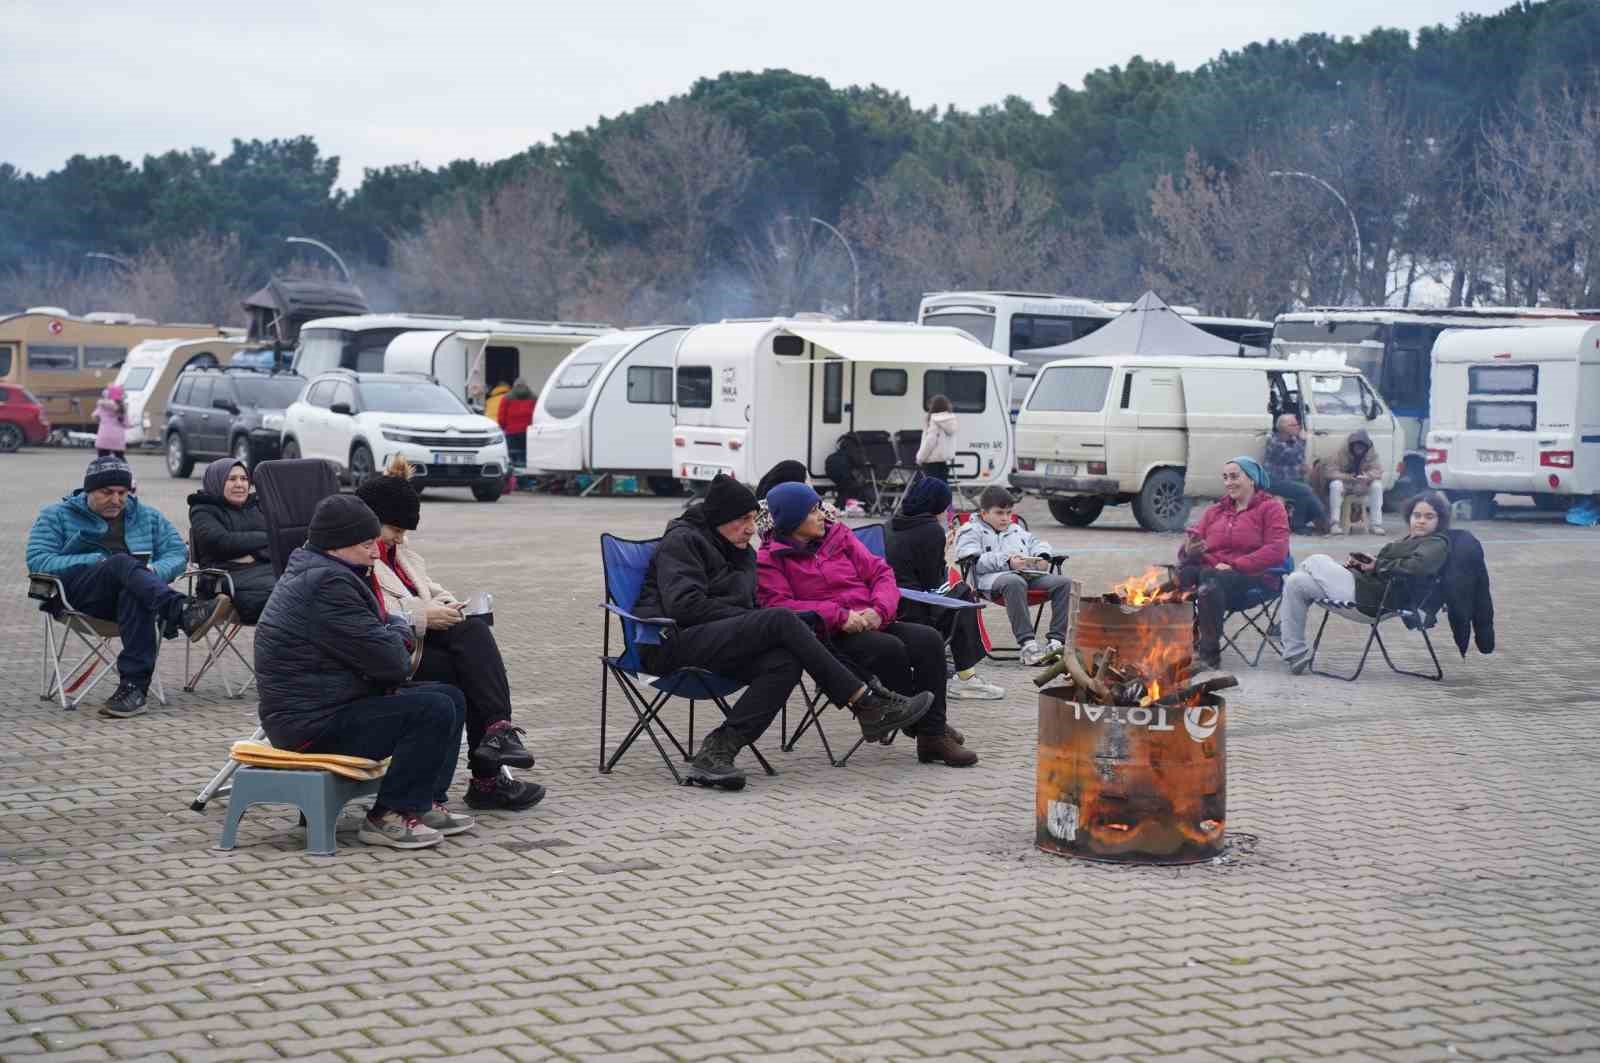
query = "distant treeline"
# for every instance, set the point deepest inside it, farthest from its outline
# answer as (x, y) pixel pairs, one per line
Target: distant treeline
(1468, 155)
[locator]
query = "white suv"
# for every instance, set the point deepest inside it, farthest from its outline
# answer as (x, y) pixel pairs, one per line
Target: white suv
(359, 422)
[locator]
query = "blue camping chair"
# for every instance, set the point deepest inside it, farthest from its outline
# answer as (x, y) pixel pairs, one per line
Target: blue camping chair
(872, 536)
(1259, 614)
(625, 563)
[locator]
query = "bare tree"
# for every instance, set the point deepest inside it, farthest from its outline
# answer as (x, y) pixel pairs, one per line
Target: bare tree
(793, 265)
(517, 253)
(196, 279)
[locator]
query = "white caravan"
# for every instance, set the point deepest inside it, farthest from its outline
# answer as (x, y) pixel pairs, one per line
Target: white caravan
(1516, 411)
(469, 356)
(607, 409)
(1155, 431)
(151, 369)
(752, 393)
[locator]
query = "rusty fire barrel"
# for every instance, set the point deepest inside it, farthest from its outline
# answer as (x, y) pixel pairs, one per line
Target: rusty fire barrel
(1133, 785)
(1134, 631)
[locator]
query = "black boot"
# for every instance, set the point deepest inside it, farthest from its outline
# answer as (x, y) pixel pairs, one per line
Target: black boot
(197, 616)
(129, 700)
(713, 765)
(880, 711)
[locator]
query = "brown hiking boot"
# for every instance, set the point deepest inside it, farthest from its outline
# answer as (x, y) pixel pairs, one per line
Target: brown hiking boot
(941, 747)
(881, 712)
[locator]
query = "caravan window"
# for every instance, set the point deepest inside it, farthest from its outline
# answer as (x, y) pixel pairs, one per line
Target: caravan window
(1073, 389)
(1503, 379)
(979, 326)
(889, 382)
(137, 379)
(833, 392)
(1502, 416)
(694, 387)
(5, 359)
(54, 357)
(650, 384)
(102, 357)
(968, 391)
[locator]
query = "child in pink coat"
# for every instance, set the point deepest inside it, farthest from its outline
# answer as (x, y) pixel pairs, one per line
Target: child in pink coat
(112, 413)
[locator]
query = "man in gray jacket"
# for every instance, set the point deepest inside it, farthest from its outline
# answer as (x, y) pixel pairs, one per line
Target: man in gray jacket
(1011, 561)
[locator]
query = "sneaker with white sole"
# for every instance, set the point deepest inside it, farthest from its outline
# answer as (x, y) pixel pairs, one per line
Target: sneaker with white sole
(398, 830)
(1377, 529)
(447, 822)
(1336, 529)
(973, 687)
(1299, 664)
(1032, 654)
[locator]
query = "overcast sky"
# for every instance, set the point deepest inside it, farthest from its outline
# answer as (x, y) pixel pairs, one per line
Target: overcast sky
(405, 81)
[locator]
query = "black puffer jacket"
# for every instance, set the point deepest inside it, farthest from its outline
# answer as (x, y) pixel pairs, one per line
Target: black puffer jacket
(1468, 601)
(220, 533)
(916, 552)
(321, 644)
(697, 576)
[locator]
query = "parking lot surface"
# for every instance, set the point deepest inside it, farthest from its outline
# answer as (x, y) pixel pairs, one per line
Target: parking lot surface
(1413, 868)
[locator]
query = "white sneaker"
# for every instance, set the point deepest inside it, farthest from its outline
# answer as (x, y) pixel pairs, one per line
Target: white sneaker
(1056, 646)
(1377, 529)
(1032, 654)
(1336, 529)
(974, 688)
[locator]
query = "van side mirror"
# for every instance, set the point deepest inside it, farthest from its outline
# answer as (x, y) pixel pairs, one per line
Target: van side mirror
(341, 407)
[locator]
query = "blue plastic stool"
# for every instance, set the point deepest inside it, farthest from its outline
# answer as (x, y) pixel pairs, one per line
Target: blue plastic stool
(319, 795)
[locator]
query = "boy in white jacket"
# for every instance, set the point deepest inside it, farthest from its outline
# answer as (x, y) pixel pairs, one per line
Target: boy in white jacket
(1012, 561)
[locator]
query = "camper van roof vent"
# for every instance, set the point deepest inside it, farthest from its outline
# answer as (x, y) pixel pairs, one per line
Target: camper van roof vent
(55, 311)
(111, 317)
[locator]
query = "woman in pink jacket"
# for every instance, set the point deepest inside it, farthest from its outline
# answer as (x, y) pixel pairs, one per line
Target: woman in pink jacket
(1228, 554)
(811, 566)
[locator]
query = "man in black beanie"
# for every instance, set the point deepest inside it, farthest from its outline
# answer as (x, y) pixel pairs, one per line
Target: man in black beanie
(703, 577)
(115, 558)
(332, 668)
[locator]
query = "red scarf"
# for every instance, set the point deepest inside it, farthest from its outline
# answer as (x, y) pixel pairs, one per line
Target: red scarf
(391, 558)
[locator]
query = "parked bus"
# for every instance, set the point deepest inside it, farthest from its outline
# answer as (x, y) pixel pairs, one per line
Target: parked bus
(1393, 348)
(66, 361)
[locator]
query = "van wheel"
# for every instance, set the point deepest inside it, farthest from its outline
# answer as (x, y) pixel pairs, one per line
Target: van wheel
(179, 463)
(1079, 512)
(1160, 505)
(1481, 505)
(10, 437)
(291, 450)
(489, 491)
(241, 452)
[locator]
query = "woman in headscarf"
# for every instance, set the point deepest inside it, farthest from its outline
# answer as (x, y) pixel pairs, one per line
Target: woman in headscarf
(456, 649)
(785, 472)
(916, 548)
(1229, 552)
(227, 530)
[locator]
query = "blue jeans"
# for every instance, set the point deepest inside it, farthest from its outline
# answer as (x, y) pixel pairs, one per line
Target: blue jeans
(418, 725)
(1308, 508)
(121, 588)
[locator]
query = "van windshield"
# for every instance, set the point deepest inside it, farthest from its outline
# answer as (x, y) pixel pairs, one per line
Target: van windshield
(1071, 389)
(137, 378)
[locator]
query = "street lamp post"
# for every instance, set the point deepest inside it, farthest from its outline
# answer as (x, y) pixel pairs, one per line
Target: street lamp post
(117, 259)
(855, 267)
(324, 247)
(1355, 227)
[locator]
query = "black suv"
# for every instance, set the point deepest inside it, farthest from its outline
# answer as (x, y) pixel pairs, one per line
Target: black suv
(215, 413)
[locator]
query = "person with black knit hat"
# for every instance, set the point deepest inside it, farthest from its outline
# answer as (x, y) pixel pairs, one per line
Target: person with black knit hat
(703, 578)
(115, 557)
(456, 649)
(333, 669)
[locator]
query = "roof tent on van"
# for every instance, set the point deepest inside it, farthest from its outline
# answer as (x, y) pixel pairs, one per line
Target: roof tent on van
(749, 394)
(286, 303)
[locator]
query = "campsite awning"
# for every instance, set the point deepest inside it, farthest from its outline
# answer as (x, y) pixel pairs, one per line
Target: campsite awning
(908, 345)
(1149, 326)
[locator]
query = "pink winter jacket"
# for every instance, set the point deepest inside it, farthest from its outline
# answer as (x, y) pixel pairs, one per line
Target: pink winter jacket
(838, 577)
(113, 433)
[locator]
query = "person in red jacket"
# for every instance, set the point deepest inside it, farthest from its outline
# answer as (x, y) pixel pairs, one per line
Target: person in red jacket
(811, 566)
(1229, 552)
(514, 415)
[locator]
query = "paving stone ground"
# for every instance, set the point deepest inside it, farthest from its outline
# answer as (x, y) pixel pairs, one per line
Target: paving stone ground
(1411, 874)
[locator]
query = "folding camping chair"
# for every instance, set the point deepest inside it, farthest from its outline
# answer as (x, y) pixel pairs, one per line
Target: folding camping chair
(203, 582)
(93, 634)
(1427, 598)
(625, 563)
(872, 536)
(1036, 599)
(289, 491)
(874, 452)
(1259, 613)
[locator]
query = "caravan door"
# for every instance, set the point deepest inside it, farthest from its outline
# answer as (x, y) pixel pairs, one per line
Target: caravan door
(831, 406)
(1225, 414)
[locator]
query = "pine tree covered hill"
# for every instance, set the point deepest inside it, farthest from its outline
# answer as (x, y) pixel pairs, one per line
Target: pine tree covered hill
(1074, 195)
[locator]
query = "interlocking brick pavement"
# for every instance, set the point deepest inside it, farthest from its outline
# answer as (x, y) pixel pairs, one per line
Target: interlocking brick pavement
(1412, 873)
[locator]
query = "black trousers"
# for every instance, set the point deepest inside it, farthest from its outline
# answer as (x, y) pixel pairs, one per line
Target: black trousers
(1219, 592)
(767, 650)
(252, 586)
(959, 626)
(908, 659)
(939, 470)
(418, 725)
(121, 588)
(467, 657)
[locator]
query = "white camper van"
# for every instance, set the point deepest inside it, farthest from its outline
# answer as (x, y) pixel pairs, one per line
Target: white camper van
(1516, 411)
(607, 409)
(469, 356)
(1156, 431)
(752, 393)
(150, 370)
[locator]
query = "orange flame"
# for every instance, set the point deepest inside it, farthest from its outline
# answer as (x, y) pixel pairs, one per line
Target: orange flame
(1141, 590)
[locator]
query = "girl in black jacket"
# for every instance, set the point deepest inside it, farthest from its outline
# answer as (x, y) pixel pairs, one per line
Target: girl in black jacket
(227, 530)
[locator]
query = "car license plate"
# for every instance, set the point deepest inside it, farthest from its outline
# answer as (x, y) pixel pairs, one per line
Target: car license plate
(704, 472)
(443, 457)
(1497, 457)
(1061, 468)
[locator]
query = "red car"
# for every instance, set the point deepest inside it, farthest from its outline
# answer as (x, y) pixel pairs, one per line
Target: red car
(22, 419)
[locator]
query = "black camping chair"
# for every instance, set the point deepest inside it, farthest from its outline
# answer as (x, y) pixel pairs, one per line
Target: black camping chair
(1415, 602)
(289, 490)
